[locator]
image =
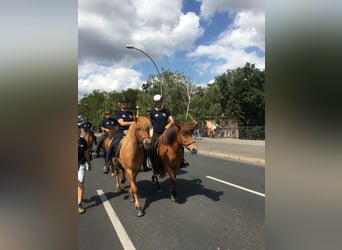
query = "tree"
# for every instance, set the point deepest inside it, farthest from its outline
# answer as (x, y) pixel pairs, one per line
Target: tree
(177, 92)
(243, 96)
(239, 93)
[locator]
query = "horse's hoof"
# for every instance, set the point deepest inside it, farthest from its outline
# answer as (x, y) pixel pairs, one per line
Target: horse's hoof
(118, 189)
(139, 211)
(131, 198)
(105, 170)
(173, 197)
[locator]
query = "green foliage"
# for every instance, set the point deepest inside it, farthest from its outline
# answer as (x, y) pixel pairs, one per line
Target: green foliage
(243, 94)
(239, 93)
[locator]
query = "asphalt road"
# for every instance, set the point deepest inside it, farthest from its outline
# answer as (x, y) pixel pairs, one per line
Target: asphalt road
(208, 215)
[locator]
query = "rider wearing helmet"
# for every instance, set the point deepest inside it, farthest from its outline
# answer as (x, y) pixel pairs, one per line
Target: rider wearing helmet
(125, 118)
(86, 126)
(107, 123)
(161, 120)
(160, 117)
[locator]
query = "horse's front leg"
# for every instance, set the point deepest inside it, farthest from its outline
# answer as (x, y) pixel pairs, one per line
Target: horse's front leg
(134, 192)
(173, 185)
(106, 167)
(155, 180)
(116, 174)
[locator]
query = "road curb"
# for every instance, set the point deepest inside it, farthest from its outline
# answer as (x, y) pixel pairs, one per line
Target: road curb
(257, 161)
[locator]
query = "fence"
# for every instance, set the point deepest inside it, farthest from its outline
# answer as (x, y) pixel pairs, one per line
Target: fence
(244, 132)
(252, 133)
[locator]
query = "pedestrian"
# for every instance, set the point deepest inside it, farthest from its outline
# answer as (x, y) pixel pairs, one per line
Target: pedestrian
(107, 124)
(161, 120)
(83, 160)
(196, 131)
(125, 118)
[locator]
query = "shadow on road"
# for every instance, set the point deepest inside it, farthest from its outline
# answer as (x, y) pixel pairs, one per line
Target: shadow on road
(185, 189)
(96, 200)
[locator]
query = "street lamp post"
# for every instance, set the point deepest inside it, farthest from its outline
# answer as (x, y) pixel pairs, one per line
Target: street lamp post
(97, 121)
(155, 65)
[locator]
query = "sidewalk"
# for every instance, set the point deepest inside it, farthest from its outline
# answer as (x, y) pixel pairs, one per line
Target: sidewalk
(250, 151)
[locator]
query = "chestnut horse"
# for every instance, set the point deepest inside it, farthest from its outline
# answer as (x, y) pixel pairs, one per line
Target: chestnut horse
(131, 156)
(90, 138)
(169, 151)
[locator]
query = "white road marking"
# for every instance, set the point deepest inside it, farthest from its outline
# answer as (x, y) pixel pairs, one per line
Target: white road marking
(120, 230)
(236, 186)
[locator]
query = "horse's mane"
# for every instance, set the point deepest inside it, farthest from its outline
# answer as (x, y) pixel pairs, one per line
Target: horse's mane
(189, 126)
(138, 120)
(170, 135)
(131, 130)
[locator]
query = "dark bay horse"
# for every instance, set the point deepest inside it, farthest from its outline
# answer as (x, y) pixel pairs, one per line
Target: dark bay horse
(131, 156)
(106, 144)
(169, 151)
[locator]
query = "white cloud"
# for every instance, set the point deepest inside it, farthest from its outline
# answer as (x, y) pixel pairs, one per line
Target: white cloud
(161, 29)
(156, 26)
(105, 27)
(106, 78)
(228, 50)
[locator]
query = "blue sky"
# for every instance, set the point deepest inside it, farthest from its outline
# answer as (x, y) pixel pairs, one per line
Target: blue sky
(201, 38)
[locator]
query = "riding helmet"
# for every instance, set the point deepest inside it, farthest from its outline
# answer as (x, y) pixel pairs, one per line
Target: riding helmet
(108, 112)
(123, 99)
(157, 98)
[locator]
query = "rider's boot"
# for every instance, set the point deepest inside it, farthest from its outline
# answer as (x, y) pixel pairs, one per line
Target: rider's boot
(106, 169)
(184, 164)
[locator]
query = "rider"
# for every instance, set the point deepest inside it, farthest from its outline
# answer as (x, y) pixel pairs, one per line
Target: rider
(145, 167)
(83, 159)
(161, 120)
(86, 126)
(160, 117)
(125, 118)
(107, 123)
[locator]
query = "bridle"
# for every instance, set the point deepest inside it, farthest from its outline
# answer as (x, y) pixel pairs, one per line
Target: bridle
(188, 144)
(140, 142)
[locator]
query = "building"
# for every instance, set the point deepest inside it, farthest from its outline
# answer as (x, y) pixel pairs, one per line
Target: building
(229, 127)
